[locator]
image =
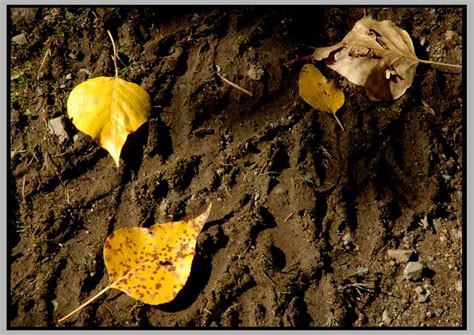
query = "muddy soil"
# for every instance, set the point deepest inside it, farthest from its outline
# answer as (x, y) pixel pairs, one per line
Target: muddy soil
(304, 214)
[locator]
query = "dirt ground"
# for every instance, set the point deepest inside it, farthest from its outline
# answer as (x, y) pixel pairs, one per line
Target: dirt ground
(304, 214)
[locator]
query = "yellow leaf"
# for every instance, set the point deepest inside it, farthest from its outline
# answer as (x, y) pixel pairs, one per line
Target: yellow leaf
(151, 265)
(321, 93)
(108, 109)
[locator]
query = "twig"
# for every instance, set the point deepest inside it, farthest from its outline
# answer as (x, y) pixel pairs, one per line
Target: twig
(46, 54)
(288, 217)
(23, 188)
(268, 277)
(234, 85)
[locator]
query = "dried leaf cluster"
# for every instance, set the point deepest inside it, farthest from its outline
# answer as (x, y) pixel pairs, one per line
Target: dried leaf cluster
(377, 55)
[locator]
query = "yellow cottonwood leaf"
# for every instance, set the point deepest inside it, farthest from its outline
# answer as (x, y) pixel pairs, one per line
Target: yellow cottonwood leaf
(150, 264)
(108, 109)
(321, 93)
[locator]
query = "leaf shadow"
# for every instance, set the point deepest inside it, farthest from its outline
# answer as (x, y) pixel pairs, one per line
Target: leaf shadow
(131, 155)
(159, 139)
(200, 274)
(201, 270)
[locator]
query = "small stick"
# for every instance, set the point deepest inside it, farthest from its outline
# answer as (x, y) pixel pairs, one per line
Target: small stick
(234, 85)
(114, 57)
(23, 188)
(288, 217)
(46, 54)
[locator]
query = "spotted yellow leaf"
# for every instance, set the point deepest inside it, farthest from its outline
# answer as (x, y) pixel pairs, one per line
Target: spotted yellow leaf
(151, 264)
(321, 93)
(108, 109)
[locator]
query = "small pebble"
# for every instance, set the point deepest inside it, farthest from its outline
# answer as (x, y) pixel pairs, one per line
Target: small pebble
(401, 255)
(422, 294)
(449, 35)
(446, 177)
(57, 126)
(255, 72)
(413, 271)
(20, 39)
(347, 240)
(458, 286)
(386, 319)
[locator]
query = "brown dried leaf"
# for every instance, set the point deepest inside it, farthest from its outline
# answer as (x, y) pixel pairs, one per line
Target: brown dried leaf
(375, 54)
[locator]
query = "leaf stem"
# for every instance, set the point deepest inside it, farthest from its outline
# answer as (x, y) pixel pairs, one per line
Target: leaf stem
(114, 57)
(413, 58)
(439, 63)
(85, 304)
(339, 122)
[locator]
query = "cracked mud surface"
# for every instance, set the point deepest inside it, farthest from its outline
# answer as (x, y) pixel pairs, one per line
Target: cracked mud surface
(303, 213)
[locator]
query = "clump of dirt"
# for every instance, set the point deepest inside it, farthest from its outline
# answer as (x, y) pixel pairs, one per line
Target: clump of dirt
(304, 214)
